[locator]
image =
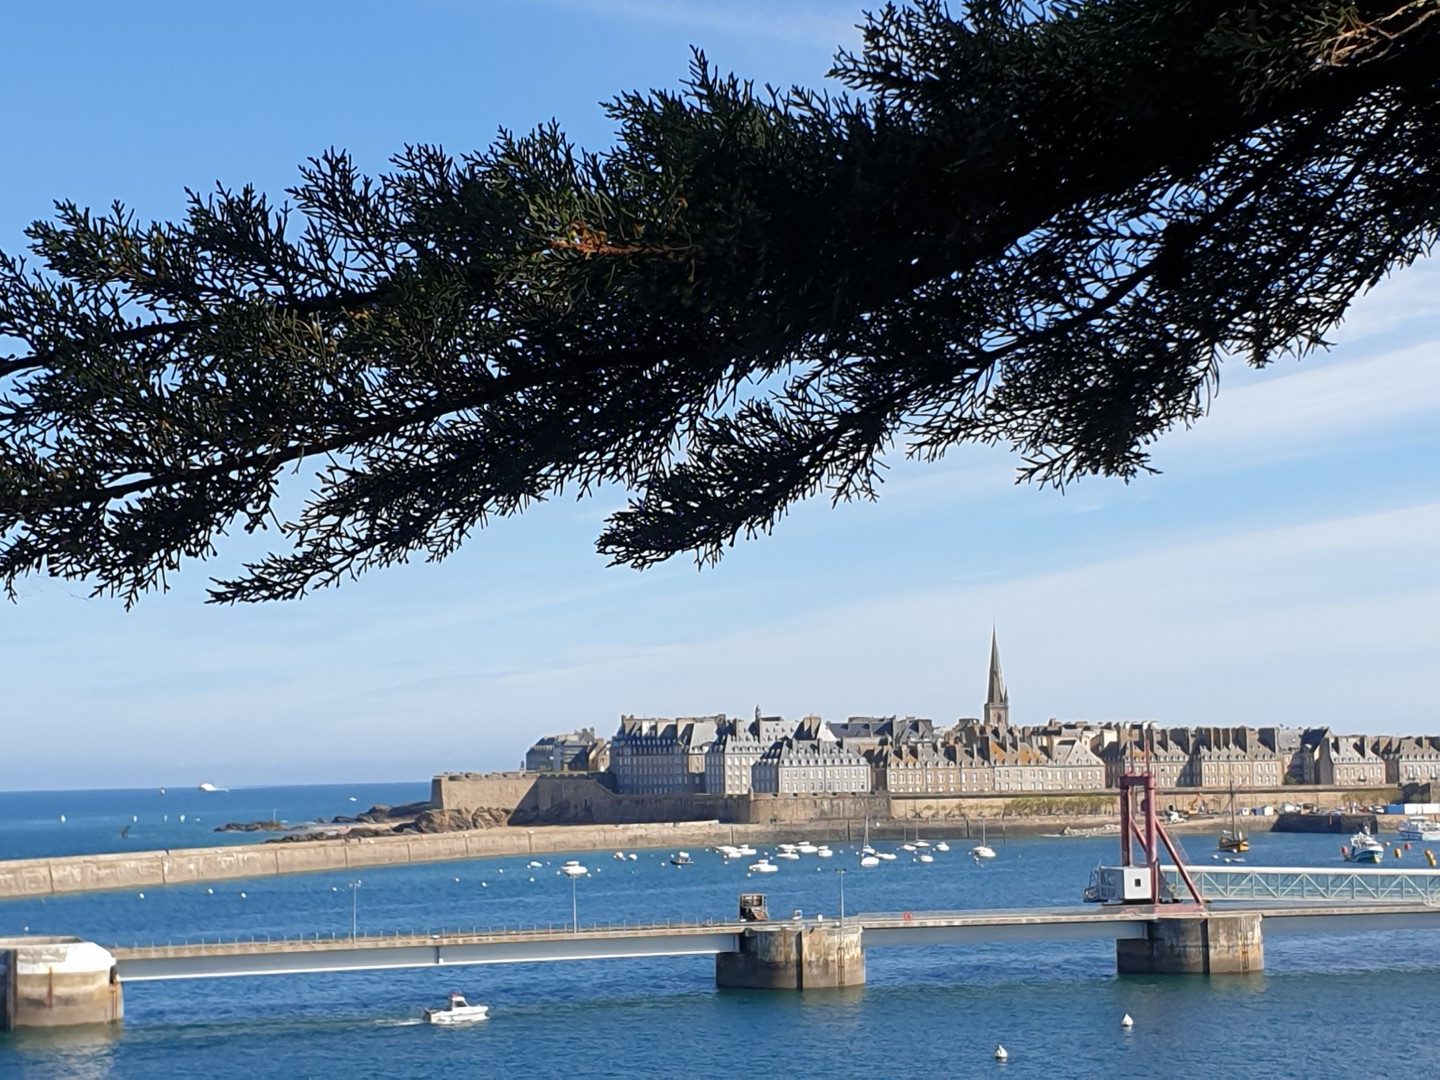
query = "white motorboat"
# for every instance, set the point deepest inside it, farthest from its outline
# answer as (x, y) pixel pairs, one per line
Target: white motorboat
(205, 785)
(458, 1011)
(1420, 829)
(886, 856)
(942, 846)
(907, 847)
(747, 851)
(1363, 848)
(868, 861)
(925, 857)
(784, 847)
(619, 856)
(764, 866)
(824, 853)
(806, 848)
(574, 869)
(787, 855)
(921, 843)
(533, 864)
(632, 856)
(681, 858)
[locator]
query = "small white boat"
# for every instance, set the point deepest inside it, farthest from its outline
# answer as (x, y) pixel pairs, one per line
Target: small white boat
(787, 855)
(205, 785)
(942, 846)
(824, 853)
(458, 1011)
(681, 858)
(632, 856)
(806, 848)
(573, 869)
(532, 865)
(784, 847)
(619, 856)
(747, 851)
(1363, 848)
(886, 856)
(764, 866)
(982, 851)
(907, 847)
(921, 843)
(1420, 829)
(868, 861)
(926, 857)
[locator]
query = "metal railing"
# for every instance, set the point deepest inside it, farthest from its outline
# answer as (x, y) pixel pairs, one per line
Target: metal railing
(1292, 884)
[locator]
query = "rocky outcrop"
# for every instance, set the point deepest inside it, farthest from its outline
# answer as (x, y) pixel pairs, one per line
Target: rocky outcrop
(438, 821)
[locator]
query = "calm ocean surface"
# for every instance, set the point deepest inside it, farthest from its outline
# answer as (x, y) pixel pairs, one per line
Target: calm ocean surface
(1328, 1006)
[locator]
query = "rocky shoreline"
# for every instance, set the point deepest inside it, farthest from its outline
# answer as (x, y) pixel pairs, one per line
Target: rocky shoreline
(380, 820)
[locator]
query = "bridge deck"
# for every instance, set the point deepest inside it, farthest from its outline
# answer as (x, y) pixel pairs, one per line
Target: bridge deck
(915, 928)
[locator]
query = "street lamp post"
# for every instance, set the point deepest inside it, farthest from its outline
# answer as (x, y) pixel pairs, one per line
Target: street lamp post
(841, 872)
(354, 888)
(574, 909)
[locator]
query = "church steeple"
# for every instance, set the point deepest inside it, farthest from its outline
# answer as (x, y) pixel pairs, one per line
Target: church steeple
(997, 698)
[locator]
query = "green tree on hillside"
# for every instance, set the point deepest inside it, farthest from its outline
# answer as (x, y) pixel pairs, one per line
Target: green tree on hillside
(1039, 223)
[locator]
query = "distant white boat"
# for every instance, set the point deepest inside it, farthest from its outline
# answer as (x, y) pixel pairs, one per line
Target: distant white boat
(205, 785)
(681, 858)
(824, 853)
(942, 846)
(807, 848)
(1422, 829)
(926, 857)
(907, 847)
(632, 856)
(868, 861)
(619, 856)
(747, 851)
(458, 1011)
(532, 865)
(573, 869)
(764, 867)
(887, 856)
(787, 855)
(921, 843)
(983, 851)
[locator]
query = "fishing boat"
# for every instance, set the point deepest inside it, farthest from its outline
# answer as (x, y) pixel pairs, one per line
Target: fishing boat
(1233, 838)
(1422, 829)
(458, 1011)
(982, 850)
(1363, 848)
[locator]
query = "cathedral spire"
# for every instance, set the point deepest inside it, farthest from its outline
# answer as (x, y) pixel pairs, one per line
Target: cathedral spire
(997, 698)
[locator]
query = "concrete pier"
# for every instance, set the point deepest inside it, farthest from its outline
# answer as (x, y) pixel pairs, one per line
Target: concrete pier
(794, 958)
(57, 982)
(1205, 943)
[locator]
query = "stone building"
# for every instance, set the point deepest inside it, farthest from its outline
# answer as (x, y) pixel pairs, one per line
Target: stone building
(573, 751)
(931, 769)
(659, 756)
(1346, 761)
(810, 767)
(730, 759)
(1408, 760)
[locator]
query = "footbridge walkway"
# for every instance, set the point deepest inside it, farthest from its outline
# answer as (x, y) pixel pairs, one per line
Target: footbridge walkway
(1353, 884)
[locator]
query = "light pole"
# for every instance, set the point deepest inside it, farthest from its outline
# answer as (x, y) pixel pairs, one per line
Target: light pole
(574, 910)
(354, 888)
(841, 872)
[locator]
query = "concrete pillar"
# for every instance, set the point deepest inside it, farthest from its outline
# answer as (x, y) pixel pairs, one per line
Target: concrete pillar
(1200, 944)
(794, 958)
(57, 982)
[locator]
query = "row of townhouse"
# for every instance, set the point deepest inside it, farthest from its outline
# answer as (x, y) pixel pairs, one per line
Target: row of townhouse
(911, 756)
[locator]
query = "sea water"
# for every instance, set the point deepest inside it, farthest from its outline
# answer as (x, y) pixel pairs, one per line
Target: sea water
(1348, 1005)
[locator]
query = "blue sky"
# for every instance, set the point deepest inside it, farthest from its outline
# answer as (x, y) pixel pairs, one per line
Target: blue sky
(1281, 569)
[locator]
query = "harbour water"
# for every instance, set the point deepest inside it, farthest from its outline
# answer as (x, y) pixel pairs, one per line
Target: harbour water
(1342, 1006)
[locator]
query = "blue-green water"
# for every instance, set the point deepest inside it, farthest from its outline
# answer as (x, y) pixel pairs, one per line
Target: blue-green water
(1361, 1005)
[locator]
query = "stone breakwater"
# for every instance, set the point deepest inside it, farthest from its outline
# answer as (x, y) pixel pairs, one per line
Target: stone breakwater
(62, 875)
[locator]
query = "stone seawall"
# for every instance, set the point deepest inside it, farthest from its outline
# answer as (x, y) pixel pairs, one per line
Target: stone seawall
(64, 875)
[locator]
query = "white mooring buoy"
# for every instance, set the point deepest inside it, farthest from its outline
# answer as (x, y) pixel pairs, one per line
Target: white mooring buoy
(1127, 1022)
(1001, 1054)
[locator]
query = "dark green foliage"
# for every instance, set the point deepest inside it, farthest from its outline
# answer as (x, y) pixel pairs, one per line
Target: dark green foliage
(1037, 224)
